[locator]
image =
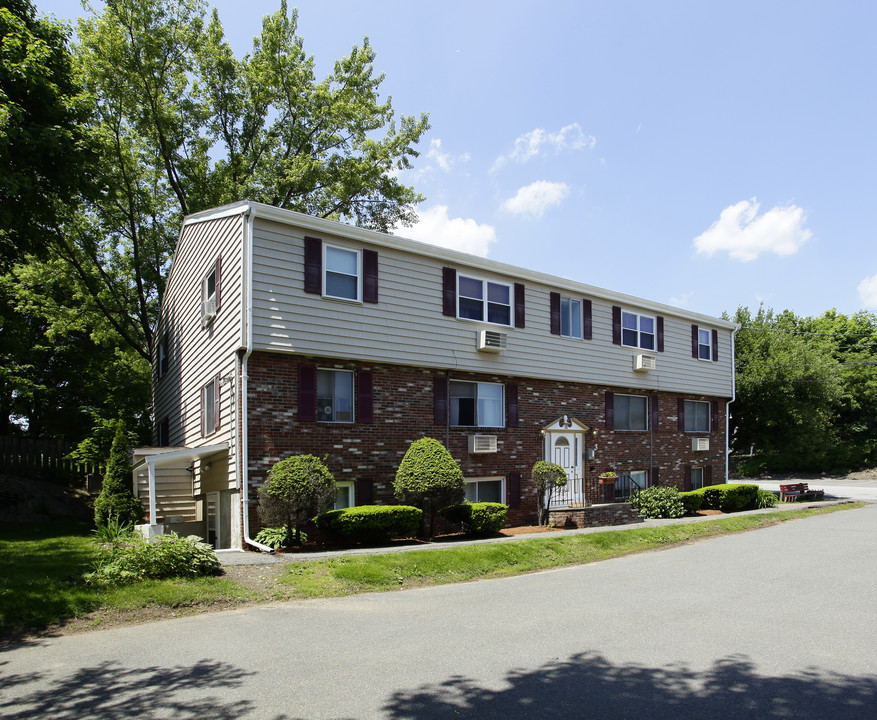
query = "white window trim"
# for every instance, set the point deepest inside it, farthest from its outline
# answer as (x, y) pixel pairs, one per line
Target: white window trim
(484, 282)
(709, 420)
(325, 270)
(639, 332)
(615, 411)
(580, 327)
(352, 395)
(500, 478)
(204, 284)
(348, 484)
(708, 344)
(476, 383)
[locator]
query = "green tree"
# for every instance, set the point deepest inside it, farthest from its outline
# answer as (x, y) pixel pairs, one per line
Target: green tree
(788, 390)
(546, 476)
(429, 478)
(45, 160)
(298, 489)
(116, 499)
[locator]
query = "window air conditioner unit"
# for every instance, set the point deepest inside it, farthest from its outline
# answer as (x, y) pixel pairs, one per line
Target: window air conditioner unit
(644, 363)
(700, 444)
(208, 312)
(491, 341)
(482, 443)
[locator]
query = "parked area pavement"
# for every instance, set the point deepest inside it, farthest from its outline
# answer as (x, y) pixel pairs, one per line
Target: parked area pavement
(232, 557)
(776, 623)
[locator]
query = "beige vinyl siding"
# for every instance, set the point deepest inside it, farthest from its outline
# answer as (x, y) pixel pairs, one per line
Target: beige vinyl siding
(173, 493)
(197, 353)
(407, 325)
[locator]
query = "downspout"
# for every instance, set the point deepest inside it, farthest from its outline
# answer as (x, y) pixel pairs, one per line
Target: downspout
(728, 405)
(241, 406)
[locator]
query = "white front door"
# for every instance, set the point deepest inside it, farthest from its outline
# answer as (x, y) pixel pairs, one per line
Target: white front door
(565, 449)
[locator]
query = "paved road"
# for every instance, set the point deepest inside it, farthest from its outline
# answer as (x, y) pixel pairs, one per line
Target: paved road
(775, 623)
(847, 488)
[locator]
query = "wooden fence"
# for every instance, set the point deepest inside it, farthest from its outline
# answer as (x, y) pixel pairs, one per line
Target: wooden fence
(45, 459)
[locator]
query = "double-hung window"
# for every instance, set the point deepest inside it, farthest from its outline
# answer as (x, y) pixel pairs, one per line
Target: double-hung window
(638, 331)
(342, 273)
(210, 407)
(484, 300)
(696, 478)
(334, 395)
(704, 344)
(570, 318)
(697, 416)
(475, 404)
(631, 412)
(489, 489)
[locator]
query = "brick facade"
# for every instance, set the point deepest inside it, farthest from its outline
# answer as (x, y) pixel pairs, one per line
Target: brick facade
(369, 453)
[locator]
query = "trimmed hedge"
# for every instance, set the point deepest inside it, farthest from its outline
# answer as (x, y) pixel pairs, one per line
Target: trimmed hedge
(482, 518)
(371, 523)
(732, 497)
(658, 502)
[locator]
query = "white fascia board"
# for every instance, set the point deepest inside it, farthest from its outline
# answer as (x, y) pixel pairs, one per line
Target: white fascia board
(173, 456)
(452, 257)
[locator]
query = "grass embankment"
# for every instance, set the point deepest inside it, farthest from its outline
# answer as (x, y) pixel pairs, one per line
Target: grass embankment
(41, 568)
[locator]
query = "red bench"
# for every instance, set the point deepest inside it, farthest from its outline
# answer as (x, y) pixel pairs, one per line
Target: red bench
(799, 491)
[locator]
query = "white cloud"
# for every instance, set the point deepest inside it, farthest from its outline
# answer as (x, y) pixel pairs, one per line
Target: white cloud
(534, 199)
(745, 235)
(464, 234)
(868, 291)
(535, 142)
(444, 160)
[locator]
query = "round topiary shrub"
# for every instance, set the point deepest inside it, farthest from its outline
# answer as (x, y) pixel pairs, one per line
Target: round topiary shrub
(429, 478)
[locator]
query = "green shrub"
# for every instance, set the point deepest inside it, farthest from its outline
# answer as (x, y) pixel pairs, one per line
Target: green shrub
(298, 488)
(133, 558)
(692, 501)
(546, 477)
(429, 478)
(731, 497)
(482, 518)
(765, 499)
(278, 537)
(658, 502)
(116, 499)
(371, 523)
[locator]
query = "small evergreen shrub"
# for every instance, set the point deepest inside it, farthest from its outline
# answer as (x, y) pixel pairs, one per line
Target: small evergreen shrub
(133, 558)
(658, 502)
(429, 478)
(116, 499)
(546, 477)
(731, 497)
(692, 501)
(371, 523)
(298, 488)
(482, 518)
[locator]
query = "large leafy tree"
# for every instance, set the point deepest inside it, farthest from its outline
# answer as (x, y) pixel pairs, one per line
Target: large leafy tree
(183, 125)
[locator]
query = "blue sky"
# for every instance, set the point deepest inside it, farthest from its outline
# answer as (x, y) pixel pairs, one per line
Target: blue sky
(702, 154)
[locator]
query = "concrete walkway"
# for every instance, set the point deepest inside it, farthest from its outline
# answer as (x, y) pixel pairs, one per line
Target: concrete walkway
(259, 558)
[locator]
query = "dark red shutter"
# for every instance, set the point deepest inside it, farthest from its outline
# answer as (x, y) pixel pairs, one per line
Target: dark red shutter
(714, 427)
(588, 330)
(554, 312)
(364, 396)
(203, 410)
(520, 310)
(616, 325)
(511, 393)
(694, 342)
(715, 345)
(708, 475)
(653, 406)
(660, 334)
(610, 410)
(513, 489)
(449, 292)
(365, 491)
(680, 413)
(307, 393)
(217, 277)
(217, 404)
(653, 478)
(313, 265)
(686, 483)
(440, 400)
(369, 276)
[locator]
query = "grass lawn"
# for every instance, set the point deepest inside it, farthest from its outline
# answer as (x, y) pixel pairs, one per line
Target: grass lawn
(41, 568)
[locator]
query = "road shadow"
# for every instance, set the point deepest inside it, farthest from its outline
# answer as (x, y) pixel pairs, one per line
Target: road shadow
(109, 690)
(588, 686)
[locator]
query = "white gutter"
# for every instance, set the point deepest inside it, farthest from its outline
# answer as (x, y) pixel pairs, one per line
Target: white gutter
(728, 405)
(242, 473)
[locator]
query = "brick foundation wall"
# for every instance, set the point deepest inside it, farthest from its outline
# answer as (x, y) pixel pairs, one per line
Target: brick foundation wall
(369, 453)
(594, 516)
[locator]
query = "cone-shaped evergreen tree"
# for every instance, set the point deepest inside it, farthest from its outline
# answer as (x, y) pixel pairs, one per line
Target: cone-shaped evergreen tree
(116, 499)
